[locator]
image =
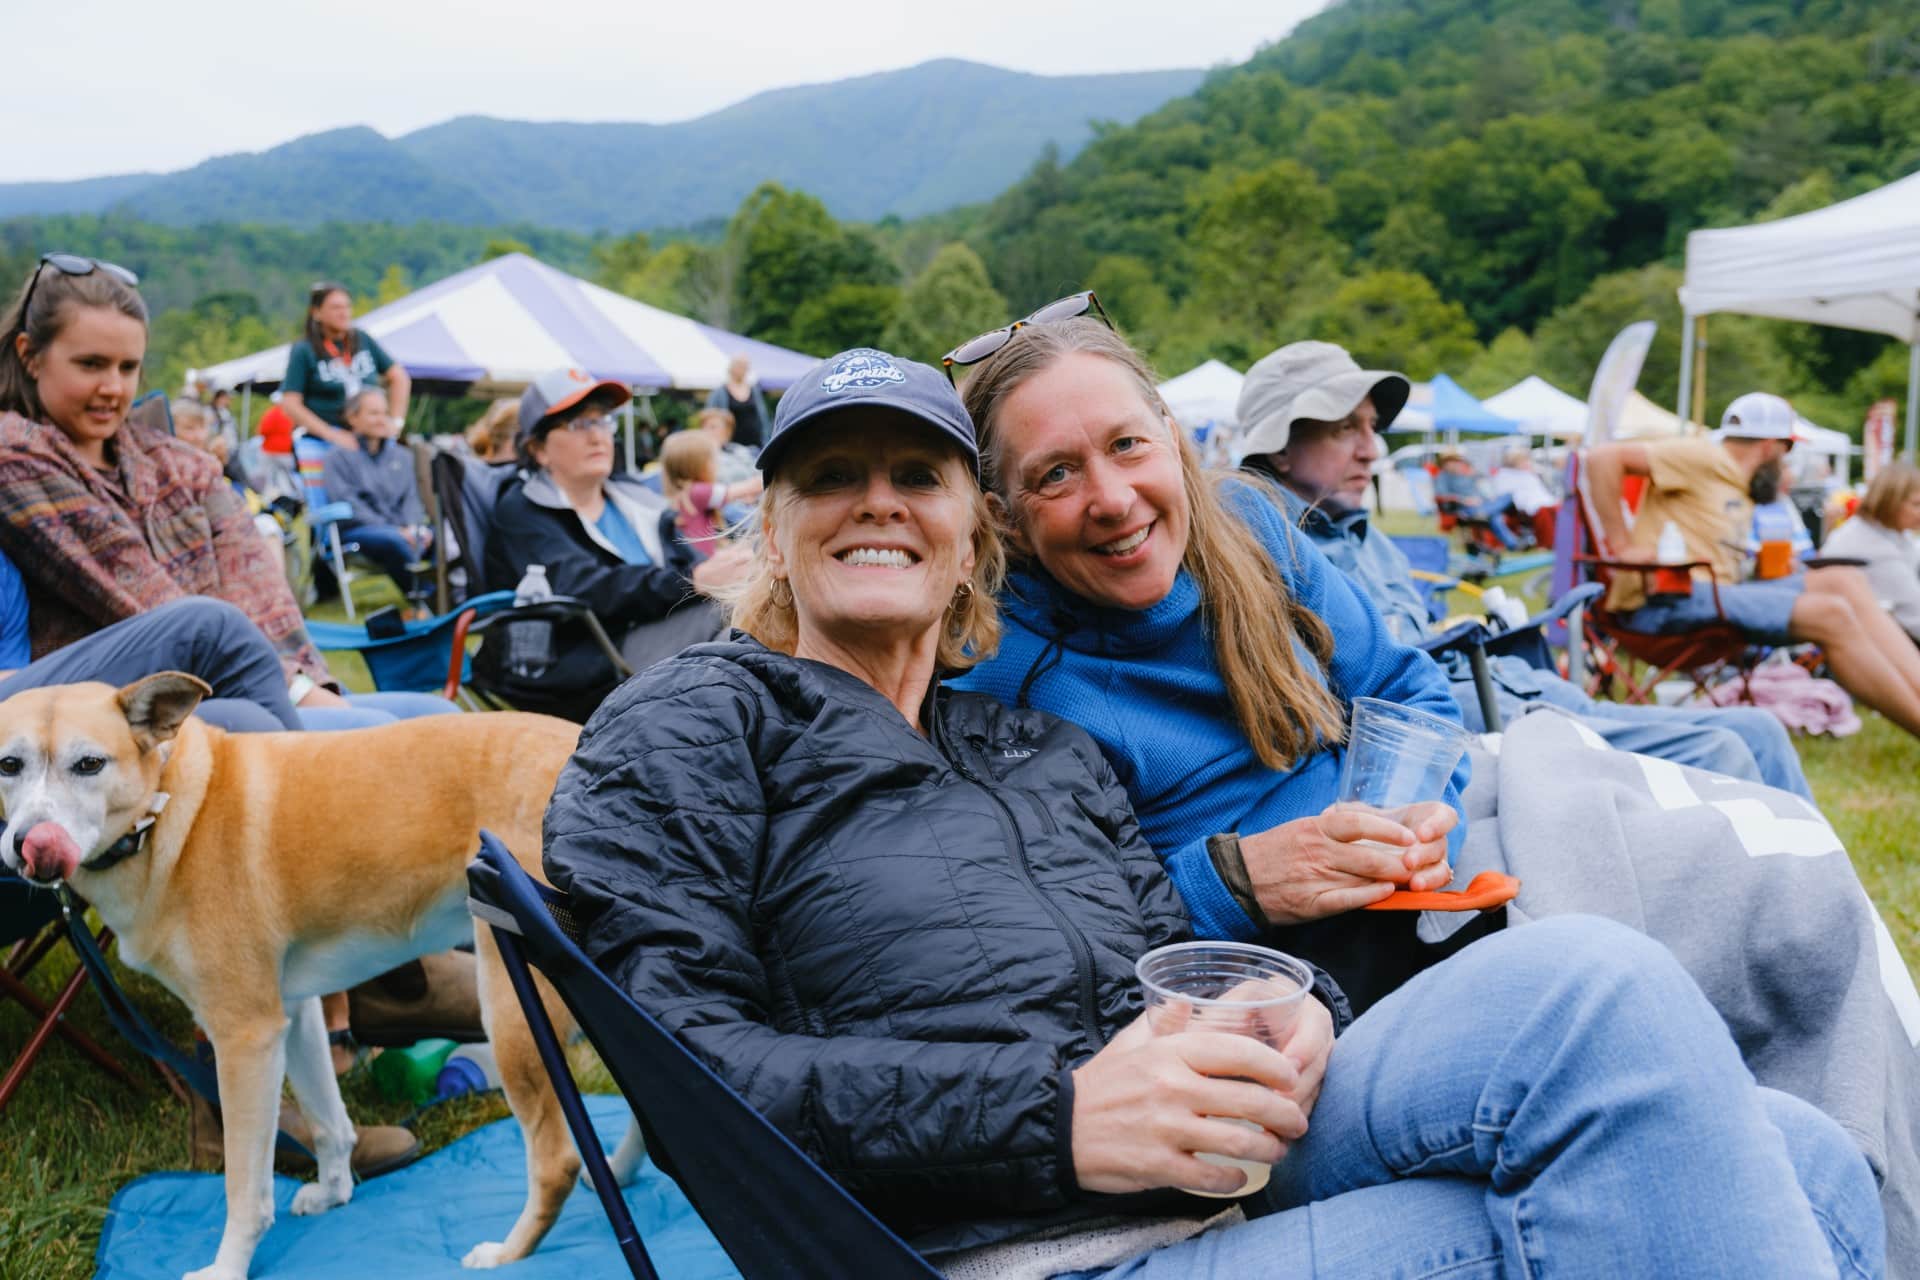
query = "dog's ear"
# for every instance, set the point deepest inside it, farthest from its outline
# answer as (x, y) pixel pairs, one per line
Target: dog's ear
(156, 706)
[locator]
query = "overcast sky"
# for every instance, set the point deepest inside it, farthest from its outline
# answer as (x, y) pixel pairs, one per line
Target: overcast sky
(115, 87)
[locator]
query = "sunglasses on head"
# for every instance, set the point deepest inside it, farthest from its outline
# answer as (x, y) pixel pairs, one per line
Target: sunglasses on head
(974, 350)
(72, 264)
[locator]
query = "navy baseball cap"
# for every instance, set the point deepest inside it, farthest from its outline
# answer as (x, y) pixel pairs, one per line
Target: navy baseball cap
(865, 378)
(558, 390)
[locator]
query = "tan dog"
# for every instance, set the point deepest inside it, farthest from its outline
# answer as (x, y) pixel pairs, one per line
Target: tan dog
(251, 873)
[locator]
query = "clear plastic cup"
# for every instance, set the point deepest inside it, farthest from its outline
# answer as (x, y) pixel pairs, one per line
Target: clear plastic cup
(1397, 758)
(1230, 987)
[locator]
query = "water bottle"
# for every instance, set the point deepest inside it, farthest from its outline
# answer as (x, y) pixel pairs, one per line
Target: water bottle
(530, 641)
(408, 1075)
(1671, 550)
(469, 1069)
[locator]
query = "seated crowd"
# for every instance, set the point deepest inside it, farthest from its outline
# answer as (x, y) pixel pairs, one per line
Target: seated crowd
(1003, 690)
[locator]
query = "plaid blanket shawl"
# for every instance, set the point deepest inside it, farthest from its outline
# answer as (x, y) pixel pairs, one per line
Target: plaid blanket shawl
(97, 546)
(1751, 889)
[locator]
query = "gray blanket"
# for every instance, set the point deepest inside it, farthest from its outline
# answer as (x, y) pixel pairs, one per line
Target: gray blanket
(1751, 890)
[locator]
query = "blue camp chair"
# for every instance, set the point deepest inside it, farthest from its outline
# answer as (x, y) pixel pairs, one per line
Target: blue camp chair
(774, 1211)
(324, 518)
(428, 656)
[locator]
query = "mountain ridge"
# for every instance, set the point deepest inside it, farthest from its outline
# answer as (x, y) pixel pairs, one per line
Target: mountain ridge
(615, 176)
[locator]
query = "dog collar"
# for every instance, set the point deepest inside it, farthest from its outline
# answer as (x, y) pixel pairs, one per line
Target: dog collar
(130, 844)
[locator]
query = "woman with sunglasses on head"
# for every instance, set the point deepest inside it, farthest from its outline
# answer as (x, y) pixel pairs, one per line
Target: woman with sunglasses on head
(607, 542)
(108, 519)
(1210, 649)
(332, 361)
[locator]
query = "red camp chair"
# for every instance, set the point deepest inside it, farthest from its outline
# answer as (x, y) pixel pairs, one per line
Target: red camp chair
(30, 919)
(1630, 664)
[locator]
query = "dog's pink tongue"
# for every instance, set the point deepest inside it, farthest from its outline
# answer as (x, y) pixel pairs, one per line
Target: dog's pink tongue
(49, 852)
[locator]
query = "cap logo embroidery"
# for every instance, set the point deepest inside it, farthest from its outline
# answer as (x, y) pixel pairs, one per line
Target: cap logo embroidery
(863, 367)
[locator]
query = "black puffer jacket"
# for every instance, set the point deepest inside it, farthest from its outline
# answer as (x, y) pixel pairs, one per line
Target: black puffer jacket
(894, 946)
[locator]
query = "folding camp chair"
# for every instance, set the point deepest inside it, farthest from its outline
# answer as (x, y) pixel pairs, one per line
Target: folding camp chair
(30, 921)
(774, 1211)
(428, 656)
(464, 497)
(324, 518)
(1631, 663)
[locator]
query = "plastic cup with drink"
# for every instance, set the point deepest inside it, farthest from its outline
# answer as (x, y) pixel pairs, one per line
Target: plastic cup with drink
(1234, 988)
(1397, 759)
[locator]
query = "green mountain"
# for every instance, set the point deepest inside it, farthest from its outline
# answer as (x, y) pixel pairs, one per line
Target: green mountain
(1426, 177)
(902, 142)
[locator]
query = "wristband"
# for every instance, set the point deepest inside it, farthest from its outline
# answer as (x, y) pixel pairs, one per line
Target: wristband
(1231, 866)
(299, 687)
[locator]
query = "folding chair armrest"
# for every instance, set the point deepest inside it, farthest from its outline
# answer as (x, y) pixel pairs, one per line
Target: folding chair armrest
(1644, 566)
(330, 513)
(1833, 562)
(1456, 639)
(1584, 594)
(1471, 639)
(562, 609)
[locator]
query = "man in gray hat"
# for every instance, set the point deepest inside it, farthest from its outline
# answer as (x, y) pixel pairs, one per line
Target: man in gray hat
(1314, 416)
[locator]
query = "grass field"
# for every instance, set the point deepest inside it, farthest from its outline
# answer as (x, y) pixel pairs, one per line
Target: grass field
(73, 1136)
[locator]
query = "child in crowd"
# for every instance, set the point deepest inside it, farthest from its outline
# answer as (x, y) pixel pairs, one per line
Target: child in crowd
(689, 470)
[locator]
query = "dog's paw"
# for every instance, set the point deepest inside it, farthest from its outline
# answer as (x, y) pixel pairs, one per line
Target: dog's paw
(487, 1255)
(318, 1197)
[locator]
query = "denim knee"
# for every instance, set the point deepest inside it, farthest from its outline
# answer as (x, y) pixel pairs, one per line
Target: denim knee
(1608, 960)
(1840, 1184)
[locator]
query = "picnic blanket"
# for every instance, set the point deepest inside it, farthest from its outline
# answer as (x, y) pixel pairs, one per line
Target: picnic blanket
(1751, 890)
(415, 1223)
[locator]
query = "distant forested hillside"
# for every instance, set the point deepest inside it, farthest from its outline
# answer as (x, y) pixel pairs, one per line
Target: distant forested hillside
(1445, 182)
(906, 142)
(1486, 187)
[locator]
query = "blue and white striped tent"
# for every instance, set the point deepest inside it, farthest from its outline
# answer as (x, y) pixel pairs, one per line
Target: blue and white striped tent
(501, 324)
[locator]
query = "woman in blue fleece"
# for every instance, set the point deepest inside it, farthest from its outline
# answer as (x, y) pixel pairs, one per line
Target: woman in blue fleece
(1211, 652)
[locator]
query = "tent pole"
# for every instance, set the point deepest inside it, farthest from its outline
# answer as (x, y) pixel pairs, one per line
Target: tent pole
(1913, 399)
(1686, 365)
(1700, 376)
(246, 410)
(626, 416)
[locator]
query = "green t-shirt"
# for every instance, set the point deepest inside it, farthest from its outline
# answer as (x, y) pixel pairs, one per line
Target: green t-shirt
(326, 381)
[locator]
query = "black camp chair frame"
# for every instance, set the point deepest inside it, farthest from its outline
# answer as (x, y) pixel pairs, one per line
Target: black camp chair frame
(774, 1211)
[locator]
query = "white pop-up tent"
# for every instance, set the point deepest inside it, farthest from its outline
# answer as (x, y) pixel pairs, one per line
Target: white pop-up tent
(1853, 265)
(1207, 394)
(1541, 408)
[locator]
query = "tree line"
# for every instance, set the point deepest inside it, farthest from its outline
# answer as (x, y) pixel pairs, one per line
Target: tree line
(1485, 187)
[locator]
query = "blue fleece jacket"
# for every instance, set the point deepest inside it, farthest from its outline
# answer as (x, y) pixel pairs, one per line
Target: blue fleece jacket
(1147, 687)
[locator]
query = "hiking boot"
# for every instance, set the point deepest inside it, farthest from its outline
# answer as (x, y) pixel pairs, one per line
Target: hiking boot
(433, 998)
(380, 1148)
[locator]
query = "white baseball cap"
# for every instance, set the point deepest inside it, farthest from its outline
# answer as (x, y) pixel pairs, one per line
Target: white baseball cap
(1758, 415)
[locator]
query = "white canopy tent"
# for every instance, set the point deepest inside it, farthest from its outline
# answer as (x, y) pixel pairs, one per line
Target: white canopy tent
(1853, 265)
(1541, 408)
(1207, 393)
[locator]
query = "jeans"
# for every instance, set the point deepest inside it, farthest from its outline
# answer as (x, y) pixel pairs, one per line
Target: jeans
(1741, 742)
(201, 636)
(1558, 1100)
(387, 547)
(365, 710)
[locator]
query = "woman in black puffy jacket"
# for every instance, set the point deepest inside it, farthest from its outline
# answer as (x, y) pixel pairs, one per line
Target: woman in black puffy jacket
(901, 920)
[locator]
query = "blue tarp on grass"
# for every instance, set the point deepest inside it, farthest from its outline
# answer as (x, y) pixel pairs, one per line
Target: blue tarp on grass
(416, 1223)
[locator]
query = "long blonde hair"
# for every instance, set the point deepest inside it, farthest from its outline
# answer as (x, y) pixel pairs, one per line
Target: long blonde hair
(1281, 704)
(763, 604)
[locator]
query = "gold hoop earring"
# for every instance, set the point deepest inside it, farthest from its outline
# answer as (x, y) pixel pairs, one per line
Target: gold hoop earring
(782, 593)
(961, 594)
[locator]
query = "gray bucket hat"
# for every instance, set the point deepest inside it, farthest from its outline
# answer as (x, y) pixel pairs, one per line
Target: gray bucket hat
(1316, 380)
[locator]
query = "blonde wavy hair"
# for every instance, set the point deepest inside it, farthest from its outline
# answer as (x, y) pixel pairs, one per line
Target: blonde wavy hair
(763, 604)
(1892, 486)
(1280, 702)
